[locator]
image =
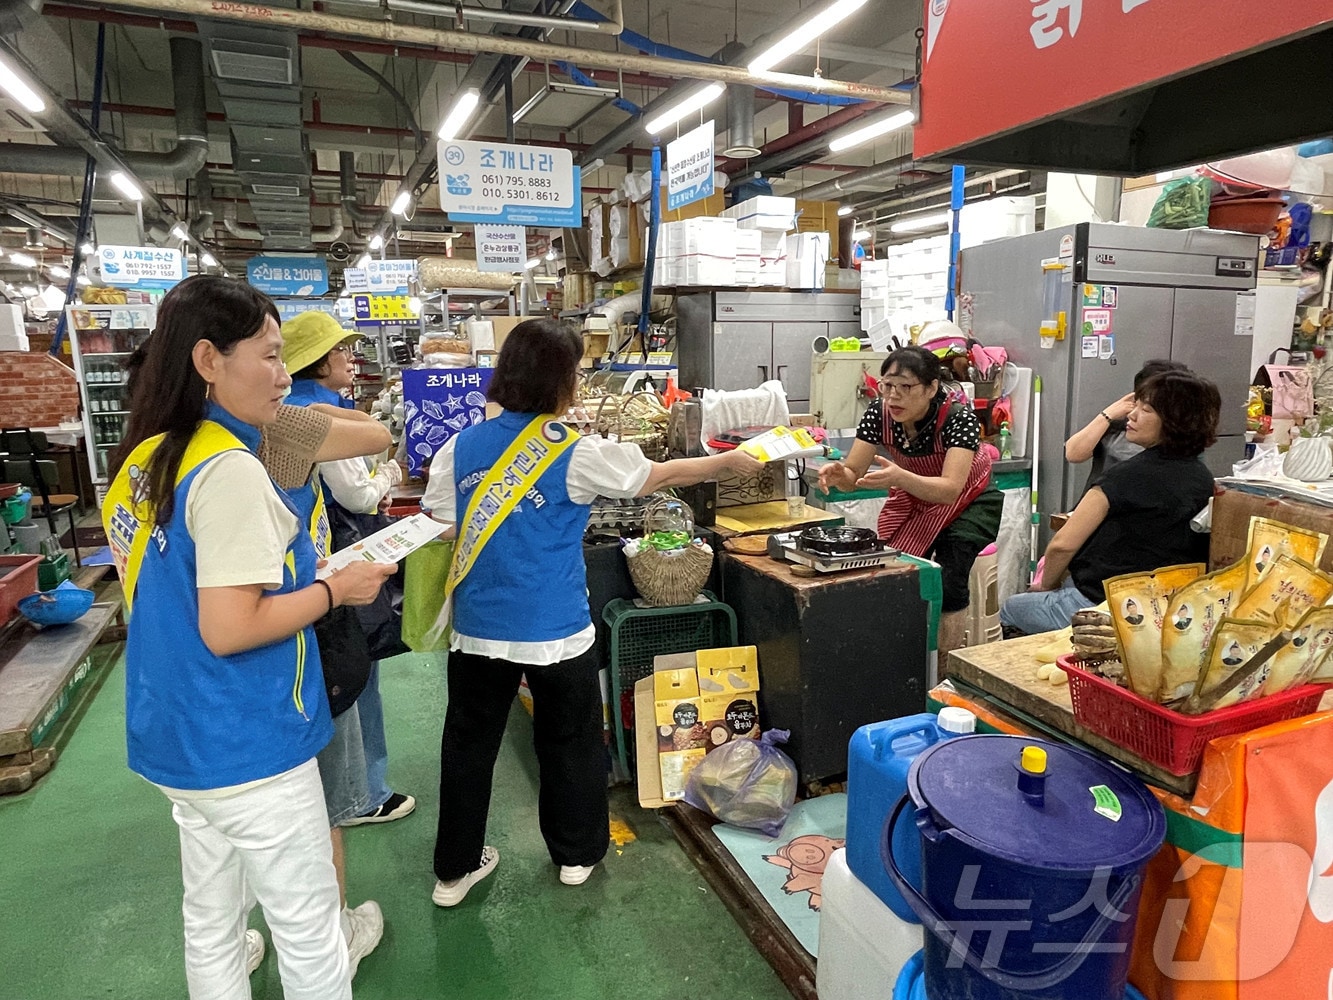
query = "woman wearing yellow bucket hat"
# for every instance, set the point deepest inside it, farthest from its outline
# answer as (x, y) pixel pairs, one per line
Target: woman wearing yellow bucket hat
(317, 352)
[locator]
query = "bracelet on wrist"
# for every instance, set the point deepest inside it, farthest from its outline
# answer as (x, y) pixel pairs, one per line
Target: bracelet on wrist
(328, 590)
(1106, 417)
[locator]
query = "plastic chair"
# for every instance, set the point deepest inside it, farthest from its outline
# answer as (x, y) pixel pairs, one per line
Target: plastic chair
(25, 466)
(983, 610)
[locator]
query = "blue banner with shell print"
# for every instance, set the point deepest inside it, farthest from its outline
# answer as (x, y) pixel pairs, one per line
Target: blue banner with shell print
(437, 404)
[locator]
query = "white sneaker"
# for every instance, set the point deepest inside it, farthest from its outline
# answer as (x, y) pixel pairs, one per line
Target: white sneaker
(254, 950)
(575, 874)
(362, 928)
(452, 893)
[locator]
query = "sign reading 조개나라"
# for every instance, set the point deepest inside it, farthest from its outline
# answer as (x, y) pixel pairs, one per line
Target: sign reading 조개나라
(495, 182)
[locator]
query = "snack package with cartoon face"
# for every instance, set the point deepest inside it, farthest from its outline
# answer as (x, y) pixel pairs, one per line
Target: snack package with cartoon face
(1234, 644)
(1287, 590)
(1138, 604)
(1305, 655)
(1270, 539)
(1191, 617)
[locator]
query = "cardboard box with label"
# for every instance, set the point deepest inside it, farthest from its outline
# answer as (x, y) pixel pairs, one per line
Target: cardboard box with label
(701, 701)
(680, 734)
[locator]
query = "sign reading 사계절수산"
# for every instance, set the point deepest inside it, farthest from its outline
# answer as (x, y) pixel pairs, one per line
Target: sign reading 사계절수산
(496, 182)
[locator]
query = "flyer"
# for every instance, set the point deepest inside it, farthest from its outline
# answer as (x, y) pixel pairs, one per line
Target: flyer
(389, 545)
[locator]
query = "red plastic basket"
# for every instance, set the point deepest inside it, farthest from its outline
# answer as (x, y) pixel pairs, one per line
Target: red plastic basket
(1163, 737)
(18, 579)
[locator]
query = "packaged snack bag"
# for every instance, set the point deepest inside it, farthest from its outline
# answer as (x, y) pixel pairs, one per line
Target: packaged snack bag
(1288, 588)
(1191, 617)
(1138, 604)
(1234, 644)
(1270, 539)
(1305, 655)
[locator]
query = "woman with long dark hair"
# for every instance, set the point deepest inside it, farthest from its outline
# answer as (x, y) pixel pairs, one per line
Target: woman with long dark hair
(225, 702)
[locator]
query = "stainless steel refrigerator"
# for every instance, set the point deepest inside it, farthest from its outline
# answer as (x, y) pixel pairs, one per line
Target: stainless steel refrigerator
(1130, 295)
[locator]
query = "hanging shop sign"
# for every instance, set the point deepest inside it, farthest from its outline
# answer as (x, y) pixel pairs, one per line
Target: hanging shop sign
(141, 267)
(294, 276)
(373, 309)
(437, 404)
(389, 277)
(689, 162)
(355, 279)
(498, 182)
(502, 248)
(289, 309)
(991, 69)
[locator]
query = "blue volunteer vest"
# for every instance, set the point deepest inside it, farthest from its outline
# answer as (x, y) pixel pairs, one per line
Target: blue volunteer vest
(195, 720)
(529, 583)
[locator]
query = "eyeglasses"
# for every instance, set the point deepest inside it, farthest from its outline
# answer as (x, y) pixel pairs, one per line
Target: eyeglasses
(897, 388)
(342, 349)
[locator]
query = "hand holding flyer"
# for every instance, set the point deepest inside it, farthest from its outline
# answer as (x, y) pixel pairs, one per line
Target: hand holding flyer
(389, 545)
(782, 443)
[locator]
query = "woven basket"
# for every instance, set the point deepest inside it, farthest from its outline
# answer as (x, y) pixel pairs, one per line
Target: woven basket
(666, 579)
(636, 419)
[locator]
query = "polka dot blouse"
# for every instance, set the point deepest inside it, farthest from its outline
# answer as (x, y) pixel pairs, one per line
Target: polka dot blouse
(961, 429)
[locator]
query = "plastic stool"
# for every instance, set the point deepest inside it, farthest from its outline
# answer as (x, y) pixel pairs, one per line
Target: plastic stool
(983, 610)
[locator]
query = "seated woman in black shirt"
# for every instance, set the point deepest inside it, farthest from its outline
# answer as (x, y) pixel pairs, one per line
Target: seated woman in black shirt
(1137, 518)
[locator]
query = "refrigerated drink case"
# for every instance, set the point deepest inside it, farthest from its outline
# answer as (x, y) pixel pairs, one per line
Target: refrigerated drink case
(102, 338)
(1129, 295)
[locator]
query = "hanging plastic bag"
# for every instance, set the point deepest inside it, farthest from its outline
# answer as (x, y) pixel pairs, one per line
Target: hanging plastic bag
(1183, 204)
(425, 610)
(746, 783)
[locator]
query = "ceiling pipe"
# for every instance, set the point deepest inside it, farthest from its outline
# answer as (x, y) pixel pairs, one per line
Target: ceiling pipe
(201, 226)
(243, 232)
(788, 150)
(31, 218)
(740, 122)
(456, 12)
(347, 192)
(841, 185)
(506, 45)
(185, 160)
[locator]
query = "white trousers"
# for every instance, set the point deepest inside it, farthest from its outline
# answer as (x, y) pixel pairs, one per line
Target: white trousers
(268, 844)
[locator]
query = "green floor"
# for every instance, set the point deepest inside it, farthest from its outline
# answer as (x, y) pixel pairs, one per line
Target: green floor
(90, 891)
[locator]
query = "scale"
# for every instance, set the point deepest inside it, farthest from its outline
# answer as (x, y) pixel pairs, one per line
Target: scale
(831, 550)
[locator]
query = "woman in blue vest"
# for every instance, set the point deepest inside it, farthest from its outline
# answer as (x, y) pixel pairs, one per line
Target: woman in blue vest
(225, 704)
(519, 487)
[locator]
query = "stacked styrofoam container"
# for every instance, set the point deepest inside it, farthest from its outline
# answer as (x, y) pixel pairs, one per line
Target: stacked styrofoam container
(996, 219)
(748, 244)
(919, 278)
(708, 254)
(874, 292)
(13, 334)
(773, 217)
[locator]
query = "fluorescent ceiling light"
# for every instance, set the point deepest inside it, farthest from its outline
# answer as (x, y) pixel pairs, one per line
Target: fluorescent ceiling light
(701, 98)
(414, 304)
(860, 235)
(872, 131)
(550, 254)
(459, 114)
(920, 222)
(82, 281)
(802, 35)
(16, 87)
(125, 186)
(533, 263)
(376, 242)
(58, 271)
(180, 232)
(402, 203)
(87, 249)
(207, 259)
(22, 260)
(844, 210)
(363, 261)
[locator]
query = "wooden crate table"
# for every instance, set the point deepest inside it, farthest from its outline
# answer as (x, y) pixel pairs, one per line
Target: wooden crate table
(1007, 672)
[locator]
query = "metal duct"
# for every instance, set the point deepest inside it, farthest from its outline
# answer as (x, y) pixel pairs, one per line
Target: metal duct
(740, 122)
(456, 12)
(244, 232)
(347, 191)
(185, 160)
(857, 179)
(201, 225)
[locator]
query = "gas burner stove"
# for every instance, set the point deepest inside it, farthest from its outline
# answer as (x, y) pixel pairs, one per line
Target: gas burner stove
(831, 550)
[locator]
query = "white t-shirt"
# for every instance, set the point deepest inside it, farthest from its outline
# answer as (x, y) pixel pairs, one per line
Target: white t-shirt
(597, 467)
(240, 526)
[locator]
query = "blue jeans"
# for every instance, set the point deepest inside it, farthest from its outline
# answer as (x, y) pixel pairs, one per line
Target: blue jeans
(1042, 611)
(371, 709)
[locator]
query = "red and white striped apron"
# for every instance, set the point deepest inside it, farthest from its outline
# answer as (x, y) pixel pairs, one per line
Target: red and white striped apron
(910, 524)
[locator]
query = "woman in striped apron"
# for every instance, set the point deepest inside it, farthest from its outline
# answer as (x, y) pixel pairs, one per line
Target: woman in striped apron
(942, 503)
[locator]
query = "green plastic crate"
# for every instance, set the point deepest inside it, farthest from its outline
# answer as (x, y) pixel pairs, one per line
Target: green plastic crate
(640, 634)
(53, 571)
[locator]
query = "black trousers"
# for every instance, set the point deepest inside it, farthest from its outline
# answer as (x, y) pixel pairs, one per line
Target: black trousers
(571, 758)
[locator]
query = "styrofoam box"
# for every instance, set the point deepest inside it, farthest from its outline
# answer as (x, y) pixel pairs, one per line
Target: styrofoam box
(11, 324)
(764, 212)
(700, 269)
(996, 219)
(863, 945)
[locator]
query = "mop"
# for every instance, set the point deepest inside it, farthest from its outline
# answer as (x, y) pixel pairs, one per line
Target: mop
(1036, 454)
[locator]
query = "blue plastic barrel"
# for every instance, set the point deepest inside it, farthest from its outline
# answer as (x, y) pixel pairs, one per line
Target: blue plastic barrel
(1032, 865)
(878, 759)
(911, 984)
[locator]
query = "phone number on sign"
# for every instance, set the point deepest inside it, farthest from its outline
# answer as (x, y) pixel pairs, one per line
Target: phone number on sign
(520, 195)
